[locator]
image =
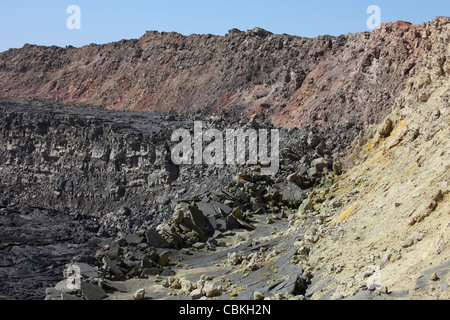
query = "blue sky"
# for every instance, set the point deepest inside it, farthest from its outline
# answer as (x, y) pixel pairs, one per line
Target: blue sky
(43, 22)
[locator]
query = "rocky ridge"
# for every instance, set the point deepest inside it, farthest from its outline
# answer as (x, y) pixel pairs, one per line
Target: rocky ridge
(287, 80)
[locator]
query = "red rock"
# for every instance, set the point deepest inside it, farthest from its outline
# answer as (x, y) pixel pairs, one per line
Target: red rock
(291, 81)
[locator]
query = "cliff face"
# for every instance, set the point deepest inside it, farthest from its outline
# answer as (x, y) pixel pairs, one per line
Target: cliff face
(288, 80)
(93, 161)
(117, 166)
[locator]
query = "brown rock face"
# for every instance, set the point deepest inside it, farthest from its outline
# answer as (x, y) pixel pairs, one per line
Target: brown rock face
(291, 81)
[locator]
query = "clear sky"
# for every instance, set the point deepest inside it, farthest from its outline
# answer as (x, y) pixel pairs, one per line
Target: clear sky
(43, 22)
